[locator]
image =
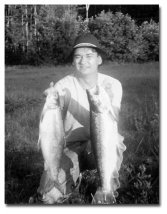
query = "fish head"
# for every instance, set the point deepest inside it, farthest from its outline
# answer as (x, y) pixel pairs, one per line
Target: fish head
(53, 96)
(99, 100)
(94, 99)
(52, 99)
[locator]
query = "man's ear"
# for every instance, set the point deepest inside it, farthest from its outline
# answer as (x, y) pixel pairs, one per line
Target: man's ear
(99, 60)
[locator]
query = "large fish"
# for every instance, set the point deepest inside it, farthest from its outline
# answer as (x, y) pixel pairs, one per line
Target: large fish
(104, 139)
(51, 140)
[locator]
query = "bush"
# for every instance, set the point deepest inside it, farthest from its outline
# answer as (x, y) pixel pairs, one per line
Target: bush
(150, 39)
(123, 40)
(116, 33)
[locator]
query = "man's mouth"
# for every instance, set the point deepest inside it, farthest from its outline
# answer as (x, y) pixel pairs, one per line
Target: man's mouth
(84, 67)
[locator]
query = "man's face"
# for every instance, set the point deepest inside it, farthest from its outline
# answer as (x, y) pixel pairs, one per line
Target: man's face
(86, 61)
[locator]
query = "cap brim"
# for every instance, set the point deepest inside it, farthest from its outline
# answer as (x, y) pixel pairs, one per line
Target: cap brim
(102, 53)
(84, 44)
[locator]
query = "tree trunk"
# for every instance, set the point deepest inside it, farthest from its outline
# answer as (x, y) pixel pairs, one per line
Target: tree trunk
(35, 20)
(26, 27)
(7, 16)
(22, 25)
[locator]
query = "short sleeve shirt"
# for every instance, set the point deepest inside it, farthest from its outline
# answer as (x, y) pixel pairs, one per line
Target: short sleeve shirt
(75, 105)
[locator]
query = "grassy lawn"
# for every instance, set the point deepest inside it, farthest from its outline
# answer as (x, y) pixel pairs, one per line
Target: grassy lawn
(139, 124)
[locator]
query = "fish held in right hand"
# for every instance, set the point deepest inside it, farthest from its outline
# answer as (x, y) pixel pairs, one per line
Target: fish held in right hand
(51, 135)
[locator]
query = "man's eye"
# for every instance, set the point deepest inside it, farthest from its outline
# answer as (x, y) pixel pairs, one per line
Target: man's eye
(77, 57)
(89, 56)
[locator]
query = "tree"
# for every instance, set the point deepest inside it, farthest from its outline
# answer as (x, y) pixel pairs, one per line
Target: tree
(30, 31)
(36, 34)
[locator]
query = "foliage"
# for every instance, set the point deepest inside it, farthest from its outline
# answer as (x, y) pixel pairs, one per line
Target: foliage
(65, 31)
(49, 34)
(36, 34)
(122, 39)
(138, 185)
(150, 39)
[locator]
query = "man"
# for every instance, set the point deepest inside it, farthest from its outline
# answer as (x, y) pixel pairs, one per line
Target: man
(87, 57)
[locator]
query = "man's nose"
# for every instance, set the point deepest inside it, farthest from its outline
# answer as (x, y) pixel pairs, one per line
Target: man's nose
(83, 60)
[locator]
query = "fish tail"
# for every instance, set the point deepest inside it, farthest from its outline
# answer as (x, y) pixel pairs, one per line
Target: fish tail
(58, 185)
(103, 197)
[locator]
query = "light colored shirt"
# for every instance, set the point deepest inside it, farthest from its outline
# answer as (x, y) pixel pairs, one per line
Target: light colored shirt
(75, 105)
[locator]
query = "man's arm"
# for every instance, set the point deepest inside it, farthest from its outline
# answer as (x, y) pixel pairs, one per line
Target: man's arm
(114, 90)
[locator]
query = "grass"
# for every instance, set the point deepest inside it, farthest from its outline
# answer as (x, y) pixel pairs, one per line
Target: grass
(139, 124)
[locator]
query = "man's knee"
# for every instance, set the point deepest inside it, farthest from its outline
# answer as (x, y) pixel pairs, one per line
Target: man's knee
(67, 177)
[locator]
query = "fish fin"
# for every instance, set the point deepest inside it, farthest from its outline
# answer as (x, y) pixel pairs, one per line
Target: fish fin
(111, 113)
(68, 133)
(78, 182)
(39, 143)
(46, 183)
(58, 186)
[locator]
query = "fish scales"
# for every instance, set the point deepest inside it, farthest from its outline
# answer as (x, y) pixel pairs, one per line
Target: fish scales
(104, 138)
(51, 136)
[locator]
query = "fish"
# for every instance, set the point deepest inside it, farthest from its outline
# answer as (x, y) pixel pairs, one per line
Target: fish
(104, 140)
(51, 140)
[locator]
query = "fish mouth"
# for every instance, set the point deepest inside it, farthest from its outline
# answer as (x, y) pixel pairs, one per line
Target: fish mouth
(93, 100)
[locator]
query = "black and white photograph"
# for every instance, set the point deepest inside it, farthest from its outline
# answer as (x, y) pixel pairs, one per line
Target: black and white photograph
(82, 104)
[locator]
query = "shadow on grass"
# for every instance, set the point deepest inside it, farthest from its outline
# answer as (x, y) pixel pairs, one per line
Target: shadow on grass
(22, 174)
